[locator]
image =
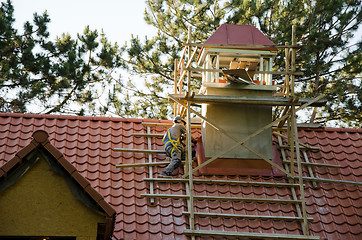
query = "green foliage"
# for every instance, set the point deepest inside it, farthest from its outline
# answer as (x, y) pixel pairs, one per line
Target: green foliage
(324, 28)
(52, 75)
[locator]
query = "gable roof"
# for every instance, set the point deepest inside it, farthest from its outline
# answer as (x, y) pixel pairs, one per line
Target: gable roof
(87, 143)
(231, 34)
(14, 162)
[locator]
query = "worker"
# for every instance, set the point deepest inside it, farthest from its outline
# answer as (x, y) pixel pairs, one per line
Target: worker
(174, 146)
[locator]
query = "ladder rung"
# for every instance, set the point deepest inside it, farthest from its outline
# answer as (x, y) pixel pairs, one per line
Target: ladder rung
(142, 164)
(148, 135)
(219, 198)
(212, 181)
(174, 196)
(138, 150)
(314, 179)
(301, 147)
(167, 124)
(247, 234)
(260, 217)
(314, 164)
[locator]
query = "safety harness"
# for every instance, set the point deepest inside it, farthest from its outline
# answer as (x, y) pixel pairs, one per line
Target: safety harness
(169, 140)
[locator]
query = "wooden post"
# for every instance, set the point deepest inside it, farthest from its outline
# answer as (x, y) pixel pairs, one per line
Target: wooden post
(189, 164)
(175, 87)
(189, 59)
(286, 82)
(291, 139)
(293, 61)
(188, 141)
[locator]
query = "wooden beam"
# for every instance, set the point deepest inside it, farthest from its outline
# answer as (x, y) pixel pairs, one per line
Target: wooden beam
(267, 101)
(138, 150)
(240, 46)
(167, 124)
(287, 147)
(219, 198)
(326, 180)
(281, 72)
(145, 164)
(214, 181)
(315, 164)
(259, 217)
(248, 235)
(148, 135)
(221, 70)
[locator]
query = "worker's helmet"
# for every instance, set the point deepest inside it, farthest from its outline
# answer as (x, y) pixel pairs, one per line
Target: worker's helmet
(178, 119)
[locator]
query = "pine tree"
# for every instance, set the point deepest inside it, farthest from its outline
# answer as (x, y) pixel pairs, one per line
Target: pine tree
(52, 75)
(331, 65)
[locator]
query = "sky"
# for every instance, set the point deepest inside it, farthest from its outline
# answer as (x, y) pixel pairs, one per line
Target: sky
(118, 18)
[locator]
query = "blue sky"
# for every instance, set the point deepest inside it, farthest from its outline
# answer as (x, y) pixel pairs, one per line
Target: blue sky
(118, 18)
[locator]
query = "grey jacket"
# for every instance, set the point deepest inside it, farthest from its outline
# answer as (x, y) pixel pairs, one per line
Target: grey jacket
(176, 131)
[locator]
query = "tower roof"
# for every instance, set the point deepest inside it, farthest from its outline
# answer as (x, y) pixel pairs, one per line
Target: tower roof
(231, 34)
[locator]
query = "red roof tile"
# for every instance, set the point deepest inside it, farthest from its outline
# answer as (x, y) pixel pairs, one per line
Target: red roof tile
(84, 145)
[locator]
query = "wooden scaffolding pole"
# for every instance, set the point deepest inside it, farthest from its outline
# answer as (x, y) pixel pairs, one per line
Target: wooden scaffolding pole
(296, 141)
(190, 184)
(175, 87)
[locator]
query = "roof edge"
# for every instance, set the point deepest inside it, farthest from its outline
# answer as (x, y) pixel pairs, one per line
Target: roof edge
(40, 138)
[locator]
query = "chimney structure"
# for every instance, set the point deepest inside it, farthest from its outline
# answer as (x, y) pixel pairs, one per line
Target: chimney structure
(235, 59)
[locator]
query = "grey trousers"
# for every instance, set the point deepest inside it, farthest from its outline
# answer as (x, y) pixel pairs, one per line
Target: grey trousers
(176, 158)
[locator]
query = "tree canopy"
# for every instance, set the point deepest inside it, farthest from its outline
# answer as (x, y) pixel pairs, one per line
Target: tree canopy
(51, 75)
(330, 61)
(56, 74)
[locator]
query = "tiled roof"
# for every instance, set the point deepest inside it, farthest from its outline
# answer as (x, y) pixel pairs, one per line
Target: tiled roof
(231, 34)
(87, 143)
(40, 141)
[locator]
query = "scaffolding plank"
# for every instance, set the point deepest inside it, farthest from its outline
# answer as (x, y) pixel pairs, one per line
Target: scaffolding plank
(305, 147)
(260, 217)
(268, 101)
(219, 198)
(287, 147)
(152, 124)
(326, 180)
(315, 164)
(145, 164)
(138, 150)
(213, 181)
(147, 135)
(247, 235)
